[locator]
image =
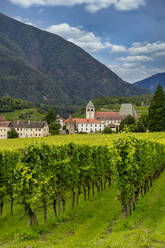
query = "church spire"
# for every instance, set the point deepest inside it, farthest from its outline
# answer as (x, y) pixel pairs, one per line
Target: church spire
(90, 110)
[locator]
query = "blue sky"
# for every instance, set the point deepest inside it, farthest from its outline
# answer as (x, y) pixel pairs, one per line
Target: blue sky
(126, 35)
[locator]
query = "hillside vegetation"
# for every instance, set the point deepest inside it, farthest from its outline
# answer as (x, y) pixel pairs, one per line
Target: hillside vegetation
(113, 103)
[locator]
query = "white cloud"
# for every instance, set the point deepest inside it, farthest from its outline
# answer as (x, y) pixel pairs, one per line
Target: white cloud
(129, 4)
(118, 48)
(26, 21)
(87, 40)
(141, 58)
(146, 47)
(160, 54)
(91, 5)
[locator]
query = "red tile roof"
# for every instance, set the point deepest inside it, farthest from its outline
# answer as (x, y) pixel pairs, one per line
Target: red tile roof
(106, 114)
(4, 124)
(2, 118)
(85, 121)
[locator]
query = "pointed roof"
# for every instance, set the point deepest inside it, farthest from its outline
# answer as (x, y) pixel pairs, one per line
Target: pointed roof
(90, 104)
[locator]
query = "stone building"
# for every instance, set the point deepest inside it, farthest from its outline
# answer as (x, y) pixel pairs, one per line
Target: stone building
(70, 125)
(4, 127)
(23, 128)
(127, 109)
(30, 128)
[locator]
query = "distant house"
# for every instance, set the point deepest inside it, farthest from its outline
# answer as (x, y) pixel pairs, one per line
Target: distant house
(4, 127)
(23, 128)
(30, 128)
(70, 126)
(60, 120)
(97, 121)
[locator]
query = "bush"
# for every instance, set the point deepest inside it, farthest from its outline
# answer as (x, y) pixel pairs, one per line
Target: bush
(107, 130)
(12, 134)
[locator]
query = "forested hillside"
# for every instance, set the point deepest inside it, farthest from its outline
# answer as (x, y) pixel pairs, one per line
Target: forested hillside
(42, 67)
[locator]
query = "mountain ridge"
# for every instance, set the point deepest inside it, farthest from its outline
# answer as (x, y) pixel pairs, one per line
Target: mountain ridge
(152, 82)
(45, 68)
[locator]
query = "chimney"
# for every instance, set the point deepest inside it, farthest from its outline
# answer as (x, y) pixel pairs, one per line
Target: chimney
(29, 122)
(17, 121)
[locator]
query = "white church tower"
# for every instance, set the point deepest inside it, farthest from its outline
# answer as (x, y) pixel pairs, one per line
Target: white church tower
(90, 110)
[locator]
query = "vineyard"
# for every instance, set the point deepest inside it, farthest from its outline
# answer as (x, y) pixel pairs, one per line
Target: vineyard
(62, 171)
(88, 139)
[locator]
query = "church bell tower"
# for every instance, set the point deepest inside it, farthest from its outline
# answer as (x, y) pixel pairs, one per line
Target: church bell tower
(90, 110)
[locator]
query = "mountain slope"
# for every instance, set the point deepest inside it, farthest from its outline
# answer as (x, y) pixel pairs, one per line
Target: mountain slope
(43, 67)
(152, 82)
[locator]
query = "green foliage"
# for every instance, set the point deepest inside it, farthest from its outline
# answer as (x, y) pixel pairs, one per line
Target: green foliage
(128, 121)
(107, 130)
(156, 117)
(12, 134)
(24, 114)
(136, 164)
(114, 102)
(51, 116)
(54, 128)
(142, 123)
(9, 104)
(42, 174)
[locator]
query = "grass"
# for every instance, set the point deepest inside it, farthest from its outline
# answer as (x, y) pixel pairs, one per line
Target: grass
(24, 114)
(90, 139)
(95, 223)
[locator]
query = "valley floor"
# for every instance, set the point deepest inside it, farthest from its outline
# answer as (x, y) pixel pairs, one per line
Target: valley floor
(95, 223)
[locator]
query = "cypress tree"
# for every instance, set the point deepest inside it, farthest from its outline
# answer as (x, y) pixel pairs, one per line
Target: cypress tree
(156, 117)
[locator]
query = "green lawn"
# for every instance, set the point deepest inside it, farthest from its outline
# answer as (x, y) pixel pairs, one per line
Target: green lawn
(95, 223)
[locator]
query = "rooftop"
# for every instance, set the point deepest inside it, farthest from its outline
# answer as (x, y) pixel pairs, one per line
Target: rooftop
(90, 104)
(27, 124)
